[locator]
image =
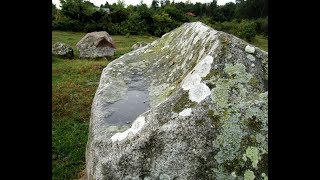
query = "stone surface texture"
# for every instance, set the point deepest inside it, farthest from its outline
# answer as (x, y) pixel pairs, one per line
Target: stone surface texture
(202, 114)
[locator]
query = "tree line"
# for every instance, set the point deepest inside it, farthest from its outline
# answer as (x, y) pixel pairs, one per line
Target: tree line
(244, 18)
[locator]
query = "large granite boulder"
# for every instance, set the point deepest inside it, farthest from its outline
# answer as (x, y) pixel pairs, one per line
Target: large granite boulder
(138, 45)
(62, 50)
(190, 105)
(96, 44)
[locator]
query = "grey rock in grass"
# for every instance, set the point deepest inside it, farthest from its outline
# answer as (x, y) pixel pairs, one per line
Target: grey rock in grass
(138, 45)
(95, 45)
(197, 106)
(62, 50)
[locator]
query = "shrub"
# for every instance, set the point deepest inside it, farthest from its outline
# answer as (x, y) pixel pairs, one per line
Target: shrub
(262, 26)
(247, 30)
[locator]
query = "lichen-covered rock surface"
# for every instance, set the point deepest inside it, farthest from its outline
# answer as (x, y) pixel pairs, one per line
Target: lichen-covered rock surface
(190, 105)
(96, 44)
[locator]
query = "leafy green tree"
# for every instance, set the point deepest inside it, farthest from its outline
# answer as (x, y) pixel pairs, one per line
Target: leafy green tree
(155, 4)
(175, 14)
(54, 11)
(77, 9)
(228, 11)
(166, 2)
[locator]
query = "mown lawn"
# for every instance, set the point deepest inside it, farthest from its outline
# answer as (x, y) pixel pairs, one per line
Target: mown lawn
(74, 83)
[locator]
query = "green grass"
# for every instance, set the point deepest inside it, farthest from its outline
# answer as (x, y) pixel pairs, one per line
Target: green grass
(261, 42)
(74, 83)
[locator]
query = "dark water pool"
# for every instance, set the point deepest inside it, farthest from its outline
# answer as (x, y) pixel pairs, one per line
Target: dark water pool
(129, 108)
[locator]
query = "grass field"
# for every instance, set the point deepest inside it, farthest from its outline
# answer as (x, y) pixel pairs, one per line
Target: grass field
(74, 83)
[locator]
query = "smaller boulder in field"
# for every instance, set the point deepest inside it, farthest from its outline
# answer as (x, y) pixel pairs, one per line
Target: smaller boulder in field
(62, 50)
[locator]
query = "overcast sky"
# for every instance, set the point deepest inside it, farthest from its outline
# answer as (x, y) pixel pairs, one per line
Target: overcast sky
(148, 2)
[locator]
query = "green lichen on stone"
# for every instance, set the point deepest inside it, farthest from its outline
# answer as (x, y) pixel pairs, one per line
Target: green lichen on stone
(249, 175)
(260, 138)
(240, 71)
(224, 87)
(164, 177)
(257, 113)
(221, 174)
(265, 177)
(228, 141)
(253, 154)
(243, 129)
(220, 94)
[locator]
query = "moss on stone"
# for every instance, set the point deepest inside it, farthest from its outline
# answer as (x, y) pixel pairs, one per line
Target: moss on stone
(213, 73)
(204, 169)
(166, 94)
(254, 82)
(253, 124)
(215, 119)
(263, 164)
(248, 141)
(183, 102)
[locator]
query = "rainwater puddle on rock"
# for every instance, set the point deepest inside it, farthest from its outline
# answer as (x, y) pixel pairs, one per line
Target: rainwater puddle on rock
(133, 103)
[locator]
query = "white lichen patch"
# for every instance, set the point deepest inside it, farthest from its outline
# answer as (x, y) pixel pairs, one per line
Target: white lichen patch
(135, 128)
(204, 66)
(249, 49)
(185, 112)
(190, 81)
(202, 69)
(199, 92)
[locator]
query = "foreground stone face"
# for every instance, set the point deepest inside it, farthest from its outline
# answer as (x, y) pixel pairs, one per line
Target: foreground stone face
(190, 105)
(96, 44)
(62, 50)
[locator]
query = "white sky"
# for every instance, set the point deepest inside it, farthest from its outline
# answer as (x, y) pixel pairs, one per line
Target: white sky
(148, 2)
